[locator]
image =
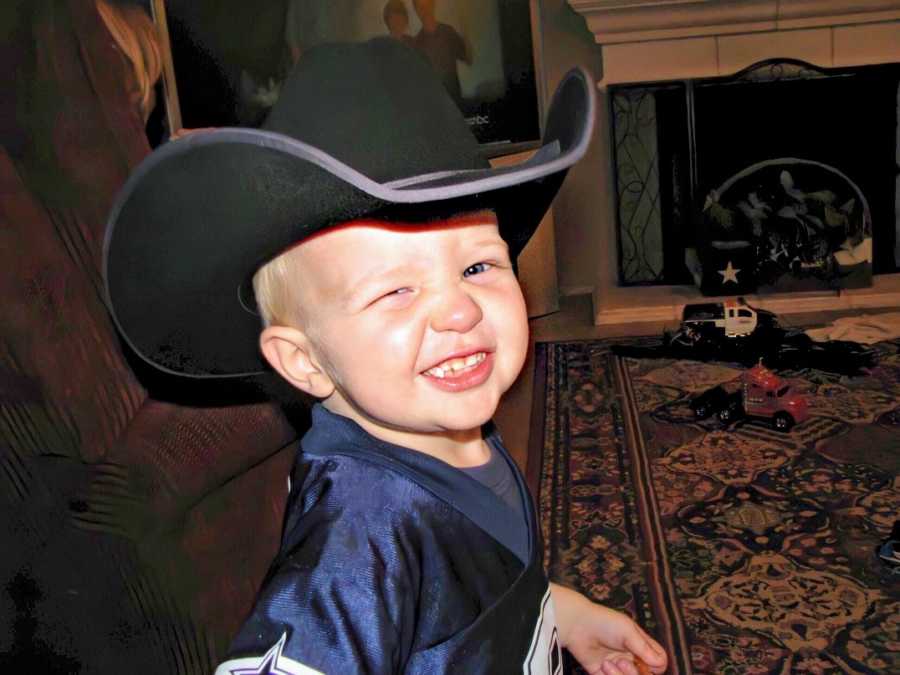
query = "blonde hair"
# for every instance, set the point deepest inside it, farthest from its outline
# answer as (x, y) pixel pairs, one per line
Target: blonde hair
(276, 301)
(135, 34)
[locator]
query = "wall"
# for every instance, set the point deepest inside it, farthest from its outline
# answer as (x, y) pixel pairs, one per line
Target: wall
(582, 202)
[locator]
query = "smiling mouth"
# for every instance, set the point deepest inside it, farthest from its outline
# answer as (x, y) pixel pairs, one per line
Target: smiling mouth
(456, 367)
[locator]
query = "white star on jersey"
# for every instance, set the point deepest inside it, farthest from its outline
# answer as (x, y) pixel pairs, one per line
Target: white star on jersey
(273, 662)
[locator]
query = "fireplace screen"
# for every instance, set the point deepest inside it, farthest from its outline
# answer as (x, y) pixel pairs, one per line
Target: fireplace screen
(783, 177)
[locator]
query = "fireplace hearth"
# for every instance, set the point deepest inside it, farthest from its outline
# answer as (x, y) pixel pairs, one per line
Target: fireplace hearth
(667, 43)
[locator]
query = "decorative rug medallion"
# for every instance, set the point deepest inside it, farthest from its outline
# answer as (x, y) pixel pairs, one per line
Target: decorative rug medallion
(800, 609)
(725, 457)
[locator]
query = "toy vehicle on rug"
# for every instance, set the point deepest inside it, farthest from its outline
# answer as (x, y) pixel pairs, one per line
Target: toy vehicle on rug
(762, 395)
(734, 318)
(737, 332)
(889, 550)
(707, 333)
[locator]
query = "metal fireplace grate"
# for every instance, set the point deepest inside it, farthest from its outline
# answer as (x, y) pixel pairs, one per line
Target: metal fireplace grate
(675, 142)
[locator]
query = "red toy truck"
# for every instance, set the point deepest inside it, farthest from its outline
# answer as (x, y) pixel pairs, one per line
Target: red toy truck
(762, 394)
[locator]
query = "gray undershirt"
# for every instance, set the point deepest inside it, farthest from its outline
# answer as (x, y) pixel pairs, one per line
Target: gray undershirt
(496, 475)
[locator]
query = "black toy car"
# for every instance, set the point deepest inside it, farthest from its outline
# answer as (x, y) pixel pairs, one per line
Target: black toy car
(714, 401)
(797, 350)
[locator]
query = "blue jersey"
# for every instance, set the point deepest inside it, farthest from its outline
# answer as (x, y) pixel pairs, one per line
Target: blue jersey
(393, 561)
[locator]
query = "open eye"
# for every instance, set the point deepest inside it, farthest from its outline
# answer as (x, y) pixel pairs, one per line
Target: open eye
(477, 268)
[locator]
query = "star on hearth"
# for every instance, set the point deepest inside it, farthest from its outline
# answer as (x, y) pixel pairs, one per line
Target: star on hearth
(729, 273)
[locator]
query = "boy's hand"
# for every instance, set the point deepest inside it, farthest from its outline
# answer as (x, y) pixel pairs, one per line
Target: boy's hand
(604, 641)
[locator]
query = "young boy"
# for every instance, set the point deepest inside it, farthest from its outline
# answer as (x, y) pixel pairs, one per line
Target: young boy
(380, 248)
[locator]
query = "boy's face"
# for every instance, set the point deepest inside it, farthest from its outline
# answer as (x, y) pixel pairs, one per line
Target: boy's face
(420, 329)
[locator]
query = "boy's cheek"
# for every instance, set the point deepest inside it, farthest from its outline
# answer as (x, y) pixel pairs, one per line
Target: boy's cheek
(375, 353)
(517, 338)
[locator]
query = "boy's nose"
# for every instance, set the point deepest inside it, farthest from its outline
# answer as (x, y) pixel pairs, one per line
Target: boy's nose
(456, 311)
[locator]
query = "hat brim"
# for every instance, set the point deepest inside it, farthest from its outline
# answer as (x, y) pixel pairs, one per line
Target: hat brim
(201, 214)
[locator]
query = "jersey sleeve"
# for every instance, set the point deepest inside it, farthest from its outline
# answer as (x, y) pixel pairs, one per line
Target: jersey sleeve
(341, 595)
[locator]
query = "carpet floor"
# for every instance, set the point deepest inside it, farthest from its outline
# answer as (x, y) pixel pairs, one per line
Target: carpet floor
(742, 549)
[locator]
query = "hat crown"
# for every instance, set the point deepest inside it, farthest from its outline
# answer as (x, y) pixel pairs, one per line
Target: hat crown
(378, 107)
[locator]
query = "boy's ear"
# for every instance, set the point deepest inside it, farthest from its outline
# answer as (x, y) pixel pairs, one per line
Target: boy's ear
(289, 352)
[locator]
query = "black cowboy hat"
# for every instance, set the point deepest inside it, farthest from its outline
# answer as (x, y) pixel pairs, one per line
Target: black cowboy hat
(359, 130)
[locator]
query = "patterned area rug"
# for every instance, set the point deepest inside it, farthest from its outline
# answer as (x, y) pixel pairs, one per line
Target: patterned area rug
(743, 550)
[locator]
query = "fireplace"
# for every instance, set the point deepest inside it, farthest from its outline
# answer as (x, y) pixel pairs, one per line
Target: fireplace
(680, 60)
(781, 171)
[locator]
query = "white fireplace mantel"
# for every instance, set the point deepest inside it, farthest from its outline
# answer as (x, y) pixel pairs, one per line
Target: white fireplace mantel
(617, 21)
(658, 40)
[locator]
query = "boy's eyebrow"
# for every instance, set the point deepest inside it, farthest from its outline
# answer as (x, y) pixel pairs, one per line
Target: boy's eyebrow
(485, 243)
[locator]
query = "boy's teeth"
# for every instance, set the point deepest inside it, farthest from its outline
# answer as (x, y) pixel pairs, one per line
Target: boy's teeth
(454, 365)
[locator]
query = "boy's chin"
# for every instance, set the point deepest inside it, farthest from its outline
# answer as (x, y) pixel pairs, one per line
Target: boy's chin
(450, 421)
(463, 420)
